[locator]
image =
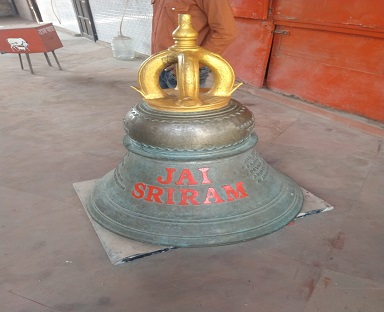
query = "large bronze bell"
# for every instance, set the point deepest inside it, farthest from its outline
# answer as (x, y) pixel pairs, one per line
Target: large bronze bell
(191, 176)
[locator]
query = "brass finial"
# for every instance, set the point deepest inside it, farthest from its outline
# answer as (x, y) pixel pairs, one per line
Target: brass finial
(187, 96)
(185, 35)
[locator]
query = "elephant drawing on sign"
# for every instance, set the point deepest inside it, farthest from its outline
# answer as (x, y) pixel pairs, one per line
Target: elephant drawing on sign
(18, 44)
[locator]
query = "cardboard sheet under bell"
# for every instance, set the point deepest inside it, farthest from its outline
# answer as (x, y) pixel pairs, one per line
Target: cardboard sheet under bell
(122, 250)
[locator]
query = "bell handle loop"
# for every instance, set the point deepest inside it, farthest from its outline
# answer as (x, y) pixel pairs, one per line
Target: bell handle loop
(223, 74)
(149, 73)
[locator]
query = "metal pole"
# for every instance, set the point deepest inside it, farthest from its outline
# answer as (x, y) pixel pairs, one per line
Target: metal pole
(47, 58)
(29, 63)
(21, 61)
(57, 61)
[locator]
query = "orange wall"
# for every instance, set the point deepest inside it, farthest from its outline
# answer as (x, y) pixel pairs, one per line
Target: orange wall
(332, 55)
(249, 54)
(332, 52)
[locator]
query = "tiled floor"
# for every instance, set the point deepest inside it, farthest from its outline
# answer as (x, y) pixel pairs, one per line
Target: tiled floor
(61, 127)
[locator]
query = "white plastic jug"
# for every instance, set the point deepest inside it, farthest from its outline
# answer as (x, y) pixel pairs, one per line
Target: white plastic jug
(122, 48)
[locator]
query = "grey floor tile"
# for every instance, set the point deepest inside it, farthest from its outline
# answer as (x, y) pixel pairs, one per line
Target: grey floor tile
(358, 248)
(13, 302)
(337, 292)
(328, 137)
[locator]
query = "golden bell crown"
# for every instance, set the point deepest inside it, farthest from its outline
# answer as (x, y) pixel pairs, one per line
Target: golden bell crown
(187, 55)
